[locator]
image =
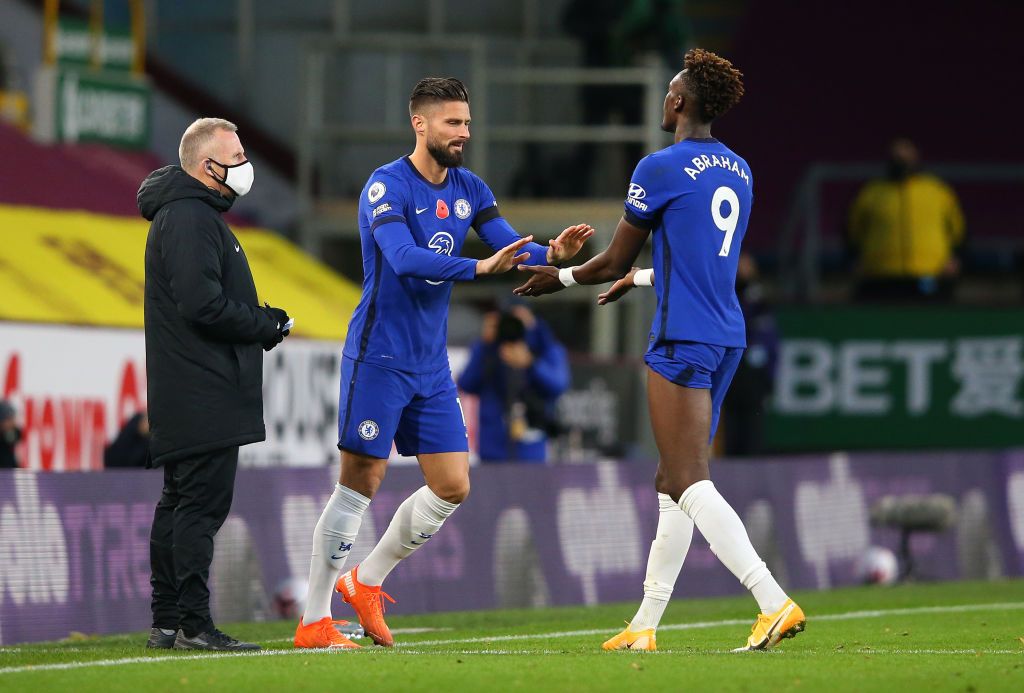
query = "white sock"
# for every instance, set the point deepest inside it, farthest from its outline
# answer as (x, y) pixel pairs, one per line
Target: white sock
(725, 532)
(332, 542)
(668, 551)
(417, 519)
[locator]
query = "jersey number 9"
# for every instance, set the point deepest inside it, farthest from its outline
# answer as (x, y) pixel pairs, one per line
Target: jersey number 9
(727, 223)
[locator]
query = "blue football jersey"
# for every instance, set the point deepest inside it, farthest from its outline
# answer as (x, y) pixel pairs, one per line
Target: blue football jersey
(401, 321)
(695, 196)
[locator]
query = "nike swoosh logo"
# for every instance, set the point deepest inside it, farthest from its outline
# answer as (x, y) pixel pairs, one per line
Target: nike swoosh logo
(334, 558)
(783, 616)
(421, 211)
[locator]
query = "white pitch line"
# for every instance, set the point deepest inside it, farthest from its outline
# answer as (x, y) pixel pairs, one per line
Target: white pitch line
(408, 648)
(962, 608)
(870, 651)
(144, 660)
(850, 615)
(480, 652)
(772, 653)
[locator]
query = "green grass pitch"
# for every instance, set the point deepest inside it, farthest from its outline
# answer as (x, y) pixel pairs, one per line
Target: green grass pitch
(922, 637)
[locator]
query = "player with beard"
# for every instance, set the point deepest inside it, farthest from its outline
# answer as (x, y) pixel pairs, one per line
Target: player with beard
(396, 385)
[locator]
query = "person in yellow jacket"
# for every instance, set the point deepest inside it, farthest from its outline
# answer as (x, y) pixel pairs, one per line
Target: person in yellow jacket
(906, 228)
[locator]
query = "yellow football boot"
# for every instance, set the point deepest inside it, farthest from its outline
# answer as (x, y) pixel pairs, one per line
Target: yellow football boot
(768, 630)
(642, 641)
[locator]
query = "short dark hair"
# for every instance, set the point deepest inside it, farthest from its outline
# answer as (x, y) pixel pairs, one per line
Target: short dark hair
(712, 79)
(431, 90)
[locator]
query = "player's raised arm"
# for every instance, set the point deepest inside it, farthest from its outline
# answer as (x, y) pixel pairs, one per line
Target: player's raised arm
(568, 243)
(409, 260)
(494, 230)
(645, 199)
(505, 259)
(611, 264)
(383, 206)
(498, 233)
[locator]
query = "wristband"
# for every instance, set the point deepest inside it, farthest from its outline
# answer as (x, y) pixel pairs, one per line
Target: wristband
(565, 276)
(644, 277)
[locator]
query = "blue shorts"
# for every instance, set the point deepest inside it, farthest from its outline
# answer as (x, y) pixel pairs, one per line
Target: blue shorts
(696, 365)
(421, 413)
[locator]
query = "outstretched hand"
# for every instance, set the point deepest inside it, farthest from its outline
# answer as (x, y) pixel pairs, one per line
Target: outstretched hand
(503, 260)
(617, 290)
(568, 243)
(543, 280)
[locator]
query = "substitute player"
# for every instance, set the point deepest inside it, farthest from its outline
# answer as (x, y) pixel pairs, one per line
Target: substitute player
(695, 197)
(414, 214)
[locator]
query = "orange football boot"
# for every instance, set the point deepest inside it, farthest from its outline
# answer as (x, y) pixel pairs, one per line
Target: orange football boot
(369, 605)
(323, 634)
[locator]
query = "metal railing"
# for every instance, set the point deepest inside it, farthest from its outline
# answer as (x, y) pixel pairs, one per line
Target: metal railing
(800, 243)
(316, 131)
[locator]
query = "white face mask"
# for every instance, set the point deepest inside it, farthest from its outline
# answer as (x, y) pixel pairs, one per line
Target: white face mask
(238, 177)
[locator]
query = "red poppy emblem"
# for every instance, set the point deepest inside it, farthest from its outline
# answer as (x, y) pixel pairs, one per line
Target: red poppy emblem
(442, 209)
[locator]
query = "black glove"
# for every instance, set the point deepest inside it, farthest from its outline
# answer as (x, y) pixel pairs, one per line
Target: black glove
(280, 318)
(277, 339)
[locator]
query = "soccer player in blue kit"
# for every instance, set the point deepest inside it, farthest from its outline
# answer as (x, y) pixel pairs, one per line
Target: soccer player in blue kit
(396, 385)
(694, 198)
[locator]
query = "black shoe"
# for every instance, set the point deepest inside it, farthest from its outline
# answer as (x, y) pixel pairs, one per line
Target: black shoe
(161, 639)
(212, 639)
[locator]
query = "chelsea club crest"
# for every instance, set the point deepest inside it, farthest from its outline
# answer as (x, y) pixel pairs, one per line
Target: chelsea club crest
(368, 430)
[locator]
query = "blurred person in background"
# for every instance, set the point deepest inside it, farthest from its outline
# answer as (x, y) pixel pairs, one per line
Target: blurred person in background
(518, 369)
(10, 434)
(694, 197)
(906, 229)
(131, 446)
(746, 404)
(204, 332)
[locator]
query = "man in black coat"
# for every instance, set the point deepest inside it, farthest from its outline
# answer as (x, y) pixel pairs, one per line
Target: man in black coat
(204, 333)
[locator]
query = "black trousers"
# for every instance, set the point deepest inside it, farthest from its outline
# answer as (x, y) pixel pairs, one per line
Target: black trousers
(195, 502)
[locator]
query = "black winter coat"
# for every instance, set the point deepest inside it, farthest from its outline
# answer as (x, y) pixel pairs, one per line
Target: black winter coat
(204, 324)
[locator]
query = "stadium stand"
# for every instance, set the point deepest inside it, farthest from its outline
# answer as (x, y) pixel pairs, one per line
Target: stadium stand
(871, 97)
(869, 406)
(73, 243)
(71, 176)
